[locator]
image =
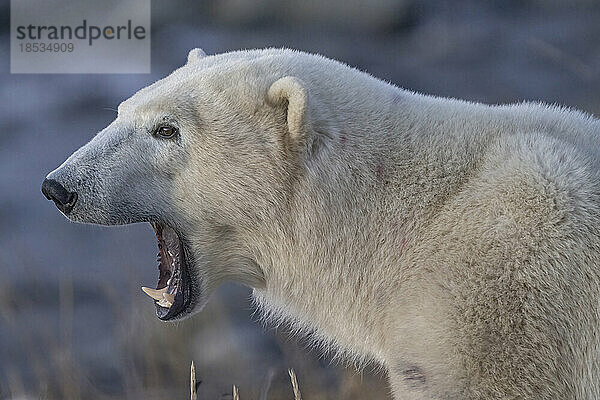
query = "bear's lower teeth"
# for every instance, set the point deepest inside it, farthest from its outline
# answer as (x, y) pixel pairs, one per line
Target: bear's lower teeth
(167, 300)
(164, 299)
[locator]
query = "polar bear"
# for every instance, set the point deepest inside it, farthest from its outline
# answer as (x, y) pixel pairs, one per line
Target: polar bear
(455, 244)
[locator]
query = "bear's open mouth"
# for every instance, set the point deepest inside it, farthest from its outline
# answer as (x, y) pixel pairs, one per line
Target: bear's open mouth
(172, 295)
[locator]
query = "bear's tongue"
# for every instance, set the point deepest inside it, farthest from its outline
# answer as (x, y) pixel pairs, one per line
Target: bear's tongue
(169, 266)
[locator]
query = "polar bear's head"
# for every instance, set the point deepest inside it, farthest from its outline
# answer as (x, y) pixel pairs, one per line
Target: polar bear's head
(206, 155)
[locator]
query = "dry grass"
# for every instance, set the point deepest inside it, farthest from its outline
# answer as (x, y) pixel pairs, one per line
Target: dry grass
(193, 393)
(235, 391)
(297, 395)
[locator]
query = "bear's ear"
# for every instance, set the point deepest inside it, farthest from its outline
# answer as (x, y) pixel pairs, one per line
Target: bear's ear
(291, 92)
(195, 55)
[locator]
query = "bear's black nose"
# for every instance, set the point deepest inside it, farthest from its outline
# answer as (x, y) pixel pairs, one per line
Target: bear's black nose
(64, 200)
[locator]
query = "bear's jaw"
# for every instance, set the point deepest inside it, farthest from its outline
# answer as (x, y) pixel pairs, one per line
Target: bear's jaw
(172, 296)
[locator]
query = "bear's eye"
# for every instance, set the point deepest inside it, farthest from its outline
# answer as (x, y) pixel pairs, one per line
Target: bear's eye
(165, 132)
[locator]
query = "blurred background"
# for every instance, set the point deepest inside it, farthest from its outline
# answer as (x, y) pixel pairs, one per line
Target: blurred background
(73, 321)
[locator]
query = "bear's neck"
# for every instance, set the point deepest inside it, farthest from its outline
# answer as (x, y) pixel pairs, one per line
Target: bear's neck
(335, 263)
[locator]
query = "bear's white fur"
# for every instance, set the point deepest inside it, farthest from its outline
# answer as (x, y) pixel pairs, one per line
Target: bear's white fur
(455, 244)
